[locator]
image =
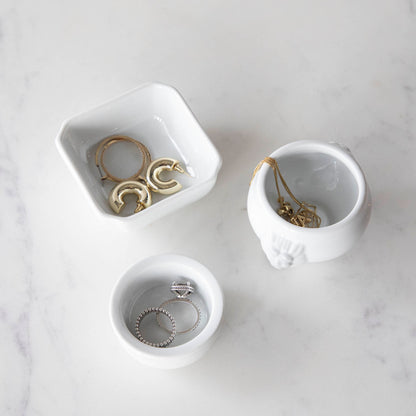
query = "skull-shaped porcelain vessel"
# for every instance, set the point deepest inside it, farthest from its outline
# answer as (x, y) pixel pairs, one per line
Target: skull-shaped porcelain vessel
(325, 175)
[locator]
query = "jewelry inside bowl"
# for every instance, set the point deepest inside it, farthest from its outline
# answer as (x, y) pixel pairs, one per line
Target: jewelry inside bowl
(146, 285)
(324, 175)
(319, 179)
(158, 117)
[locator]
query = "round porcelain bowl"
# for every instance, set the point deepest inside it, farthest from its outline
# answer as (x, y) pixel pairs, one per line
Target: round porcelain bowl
(325, 175)
(147, 284)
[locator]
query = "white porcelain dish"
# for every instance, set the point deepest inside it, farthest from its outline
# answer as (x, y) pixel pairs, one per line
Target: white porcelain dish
(156, 115)
(147, 284)
(325, 175)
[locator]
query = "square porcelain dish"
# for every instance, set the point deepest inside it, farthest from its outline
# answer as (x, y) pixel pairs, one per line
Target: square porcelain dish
(156, 115)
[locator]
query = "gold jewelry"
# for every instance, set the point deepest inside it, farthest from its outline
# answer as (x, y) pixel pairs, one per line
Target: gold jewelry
(107, 143)
(305, 216)
(144, 197)
(153, 176)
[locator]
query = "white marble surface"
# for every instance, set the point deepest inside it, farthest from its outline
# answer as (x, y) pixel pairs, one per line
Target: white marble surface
(337, 338)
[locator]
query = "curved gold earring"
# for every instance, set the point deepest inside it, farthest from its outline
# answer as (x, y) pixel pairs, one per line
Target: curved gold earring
(153, 176)
(110, 141)
(140, 189)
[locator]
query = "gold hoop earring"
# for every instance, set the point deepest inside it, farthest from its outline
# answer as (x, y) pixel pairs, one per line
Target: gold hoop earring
(140, 189)
(106, 144)
(153, 176)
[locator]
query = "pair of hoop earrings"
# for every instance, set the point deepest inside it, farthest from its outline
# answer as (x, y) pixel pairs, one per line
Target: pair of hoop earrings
(182, 292)
(137, 184)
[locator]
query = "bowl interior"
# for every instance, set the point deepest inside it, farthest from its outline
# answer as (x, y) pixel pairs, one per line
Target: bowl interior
(149, 286)
(155, 115)
(319, 179)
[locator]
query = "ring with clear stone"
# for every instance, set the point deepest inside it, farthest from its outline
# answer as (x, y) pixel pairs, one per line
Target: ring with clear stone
(182, 290)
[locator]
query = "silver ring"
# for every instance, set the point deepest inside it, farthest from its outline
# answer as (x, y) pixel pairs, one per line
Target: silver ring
(157, 311)
(182, 290)
(188, 301)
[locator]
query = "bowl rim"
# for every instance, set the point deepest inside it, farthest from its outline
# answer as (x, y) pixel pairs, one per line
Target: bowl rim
(59, 141)
(314, 146)
(141, 350)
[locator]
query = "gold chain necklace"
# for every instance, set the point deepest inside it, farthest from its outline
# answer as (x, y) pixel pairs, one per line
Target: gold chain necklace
(305, 215)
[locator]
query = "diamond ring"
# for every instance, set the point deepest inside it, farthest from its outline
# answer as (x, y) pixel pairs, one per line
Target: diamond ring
(182, 290)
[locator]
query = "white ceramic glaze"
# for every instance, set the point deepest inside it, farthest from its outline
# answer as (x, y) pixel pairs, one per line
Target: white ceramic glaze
(324, 174)
(156, 115)
(147, 284)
